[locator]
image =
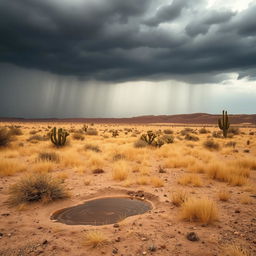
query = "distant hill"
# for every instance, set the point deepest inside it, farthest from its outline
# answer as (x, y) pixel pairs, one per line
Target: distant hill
(197, 118)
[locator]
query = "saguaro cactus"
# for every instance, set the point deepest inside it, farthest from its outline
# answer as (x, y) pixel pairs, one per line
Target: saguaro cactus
(224, 123)
(59, 137)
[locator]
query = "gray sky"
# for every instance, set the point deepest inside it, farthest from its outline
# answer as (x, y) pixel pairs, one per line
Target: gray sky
(98, 58)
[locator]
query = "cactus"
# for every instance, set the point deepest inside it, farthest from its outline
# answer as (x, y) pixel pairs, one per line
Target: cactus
(58, 138)
(85, 128)
(224, 123)
(149, 137)
(115, 133)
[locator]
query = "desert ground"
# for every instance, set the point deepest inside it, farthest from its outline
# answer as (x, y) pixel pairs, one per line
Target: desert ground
(200, 185)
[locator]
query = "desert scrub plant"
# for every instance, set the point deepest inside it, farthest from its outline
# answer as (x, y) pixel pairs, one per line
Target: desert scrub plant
(203, 130)
(9, 167)
(35, 138)
(211, 145)
(216, 134)
(179, 197)
(5, 137)
(36, 188)
(140, 144)
(191, 137)
(190, 179)
(49, 156)
(168, 139)
(15, 131)
(224, 195)
(58, 138)
(94, 238)
(92, 131)
(203, 210)
(91, 147)
(224, 123)
(149, 137)
(186, 131)
(168, 131)
(78, 136)
(234, 250)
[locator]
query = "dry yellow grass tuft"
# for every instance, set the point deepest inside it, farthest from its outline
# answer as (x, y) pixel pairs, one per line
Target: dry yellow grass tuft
(190, 179)
(94, 238)
(234, 250)
(120, 171)
(202, 210)
(224, 195)
(10, 167)
(43, 166)
(245, 199)
(157, 182)
(179, 197)
(143, 180)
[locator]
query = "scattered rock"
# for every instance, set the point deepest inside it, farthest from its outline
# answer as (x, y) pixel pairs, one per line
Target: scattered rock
(1, 234)
(5, 214)
(115, 251)
(116, 225)
(144, 253)
(45, 242)
(118, 239)
(237, 211)
(97, 171)
(152, 248)
(192, 236)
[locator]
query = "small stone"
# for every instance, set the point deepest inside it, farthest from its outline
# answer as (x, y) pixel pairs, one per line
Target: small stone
(237, 211)
(9, 235)
(116, 225)
(115, 251)
(118, 239)
(1, 234)
(192, 236)
(152, 248)
(144, 253)
(45, 242)
(144, 239)
(5, 214)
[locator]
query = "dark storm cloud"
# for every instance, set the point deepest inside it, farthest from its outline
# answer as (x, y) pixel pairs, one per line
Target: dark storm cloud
(167, 12)
(127, 40)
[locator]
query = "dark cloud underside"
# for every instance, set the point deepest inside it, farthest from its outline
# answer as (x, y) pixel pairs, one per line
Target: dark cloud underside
(127, 40)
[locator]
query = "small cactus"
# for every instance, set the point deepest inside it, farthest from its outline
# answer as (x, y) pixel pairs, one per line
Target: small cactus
(115, 133)
(85, 128)
(224, 123)
(149, 137)
(58, 138)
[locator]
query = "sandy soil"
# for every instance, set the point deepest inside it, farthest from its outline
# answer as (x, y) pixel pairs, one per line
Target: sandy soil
(28, 230)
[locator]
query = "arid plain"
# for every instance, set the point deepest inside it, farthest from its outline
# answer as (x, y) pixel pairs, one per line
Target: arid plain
(202, 188)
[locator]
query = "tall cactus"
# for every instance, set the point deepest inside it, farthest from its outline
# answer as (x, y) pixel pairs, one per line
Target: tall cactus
(58, 138)
(224, 123)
